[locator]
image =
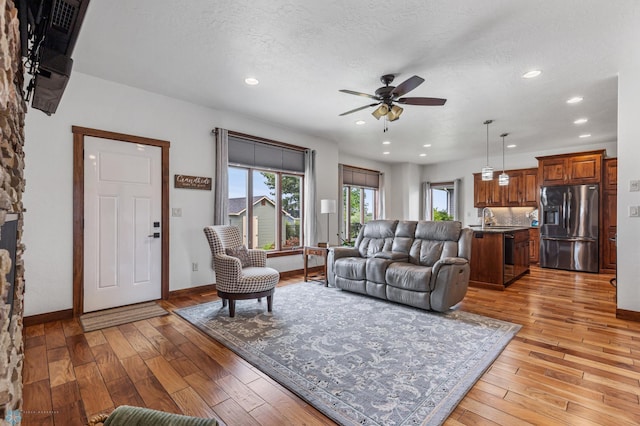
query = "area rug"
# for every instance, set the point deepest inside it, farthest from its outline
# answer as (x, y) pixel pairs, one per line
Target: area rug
(122, 315)
(357, 359)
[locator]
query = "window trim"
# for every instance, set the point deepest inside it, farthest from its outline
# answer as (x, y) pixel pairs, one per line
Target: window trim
(278, 250)
(450, 195)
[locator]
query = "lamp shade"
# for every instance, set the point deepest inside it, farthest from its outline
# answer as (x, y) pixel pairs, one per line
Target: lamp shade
(328, 206)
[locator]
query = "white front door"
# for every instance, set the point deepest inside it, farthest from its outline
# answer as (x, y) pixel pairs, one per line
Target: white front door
(122, 217)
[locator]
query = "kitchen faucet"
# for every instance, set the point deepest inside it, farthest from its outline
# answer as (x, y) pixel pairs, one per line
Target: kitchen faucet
(484, 210)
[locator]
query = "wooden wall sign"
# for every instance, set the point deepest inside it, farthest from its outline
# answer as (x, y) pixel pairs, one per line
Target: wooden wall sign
(192, 182)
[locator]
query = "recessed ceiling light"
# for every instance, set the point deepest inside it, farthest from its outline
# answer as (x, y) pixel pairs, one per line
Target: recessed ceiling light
(581, 121)
(386, 143)
(531, 74)
(427, 145)
(586, 135)
(512, 146)
(251, 81)
(386, 153)
(575, 100)
(360, 122)
(423, 155)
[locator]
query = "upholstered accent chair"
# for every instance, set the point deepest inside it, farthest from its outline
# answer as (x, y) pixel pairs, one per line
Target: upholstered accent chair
(233, 281)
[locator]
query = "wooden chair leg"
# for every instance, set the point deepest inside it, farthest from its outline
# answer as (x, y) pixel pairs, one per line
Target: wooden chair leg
(269, 303)
(224, 303)
(259, 299)
(232, 308)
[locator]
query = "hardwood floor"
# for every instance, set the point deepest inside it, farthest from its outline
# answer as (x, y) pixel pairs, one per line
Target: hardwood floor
(572, 363)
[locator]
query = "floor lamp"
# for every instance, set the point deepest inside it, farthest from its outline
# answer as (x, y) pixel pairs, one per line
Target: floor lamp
(327, 207)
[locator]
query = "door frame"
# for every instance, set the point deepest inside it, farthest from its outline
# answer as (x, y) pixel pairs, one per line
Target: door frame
(79, 134)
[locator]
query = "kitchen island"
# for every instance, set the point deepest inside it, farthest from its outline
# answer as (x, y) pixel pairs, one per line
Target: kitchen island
(499, 256)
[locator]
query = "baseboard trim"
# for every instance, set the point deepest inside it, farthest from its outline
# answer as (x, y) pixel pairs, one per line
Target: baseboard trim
(628, 315)
(289, 274)
(48, 317)
(207, 288)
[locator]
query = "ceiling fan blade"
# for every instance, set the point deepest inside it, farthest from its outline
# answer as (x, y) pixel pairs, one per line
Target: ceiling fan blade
(422, 101)
(351, 92)
(358, 109)
(407, 86)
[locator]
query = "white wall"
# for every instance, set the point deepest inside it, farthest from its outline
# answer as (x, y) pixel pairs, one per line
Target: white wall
(628, 234)
(95, 103)
(445, 172)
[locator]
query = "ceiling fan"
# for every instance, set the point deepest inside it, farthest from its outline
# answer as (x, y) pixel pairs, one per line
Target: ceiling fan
(387, 96)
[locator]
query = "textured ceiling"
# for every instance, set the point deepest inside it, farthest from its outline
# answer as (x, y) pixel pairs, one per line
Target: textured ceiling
(471, 52)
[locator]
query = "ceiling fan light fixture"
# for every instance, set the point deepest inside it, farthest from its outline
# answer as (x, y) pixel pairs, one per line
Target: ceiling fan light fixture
(395, 113)
(381, 111)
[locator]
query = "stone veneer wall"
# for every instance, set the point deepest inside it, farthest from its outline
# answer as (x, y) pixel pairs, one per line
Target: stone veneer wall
(12, 111)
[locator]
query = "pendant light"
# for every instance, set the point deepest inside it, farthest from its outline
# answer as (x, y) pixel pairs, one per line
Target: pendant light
(503, 179)
(487, 171)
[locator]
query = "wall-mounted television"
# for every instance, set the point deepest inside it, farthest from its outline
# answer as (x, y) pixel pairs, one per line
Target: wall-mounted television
(49, 30)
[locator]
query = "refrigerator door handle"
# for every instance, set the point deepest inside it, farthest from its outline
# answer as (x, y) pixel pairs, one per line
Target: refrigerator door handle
(568, 215)
(572, 240)
(564, 210)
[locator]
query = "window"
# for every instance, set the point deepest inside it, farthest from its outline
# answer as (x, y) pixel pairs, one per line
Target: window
(360, 189)
(265, 193)
(442, 201)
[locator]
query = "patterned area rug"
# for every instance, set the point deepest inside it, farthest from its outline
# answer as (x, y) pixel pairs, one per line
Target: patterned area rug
(122, 315)
(357, 359)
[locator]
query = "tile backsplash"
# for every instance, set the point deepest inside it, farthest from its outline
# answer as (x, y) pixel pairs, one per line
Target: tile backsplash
(510, 216)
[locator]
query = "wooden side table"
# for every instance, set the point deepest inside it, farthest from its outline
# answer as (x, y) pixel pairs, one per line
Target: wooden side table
(315, 251)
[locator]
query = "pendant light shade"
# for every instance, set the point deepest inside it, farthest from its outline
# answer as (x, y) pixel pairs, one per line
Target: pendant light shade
(487, 171)
(503, 179)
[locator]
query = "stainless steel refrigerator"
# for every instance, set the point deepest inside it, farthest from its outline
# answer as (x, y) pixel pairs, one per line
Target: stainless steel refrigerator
(569, 227)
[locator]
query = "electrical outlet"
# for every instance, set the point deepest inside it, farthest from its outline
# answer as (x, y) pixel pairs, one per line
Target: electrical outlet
(194, 266)
(176, 212)
(634, 185)
(634, 211)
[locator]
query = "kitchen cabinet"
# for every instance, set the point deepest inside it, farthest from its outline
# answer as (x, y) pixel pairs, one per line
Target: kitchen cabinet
(571, 169)
(534, 245)
(498, 257)
(522, 190)
(487, 193)
(609, 210)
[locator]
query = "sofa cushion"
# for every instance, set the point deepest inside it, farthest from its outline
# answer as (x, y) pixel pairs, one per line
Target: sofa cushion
(352, 268)
(408, 276)
(376, 236)
(439, 231)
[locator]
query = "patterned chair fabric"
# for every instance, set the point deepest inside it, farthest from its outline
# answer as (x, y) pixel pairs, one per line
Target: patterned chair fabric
(231, 278)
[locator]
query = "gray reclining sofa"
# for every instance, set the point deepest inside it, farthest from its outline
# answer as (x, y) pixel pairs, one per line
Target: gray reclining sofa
(423, 264)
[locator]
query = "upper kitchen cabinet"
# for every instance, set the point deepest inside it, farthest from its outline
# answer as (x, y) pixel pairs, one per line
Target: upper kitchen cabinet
(571, 169)
(487, 193)
(522, 190)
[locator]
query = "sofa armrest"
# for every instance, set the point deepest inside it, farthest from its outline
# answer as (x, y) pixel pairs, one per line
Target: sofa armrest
(449, 282)
(339, 252)
(396, 256)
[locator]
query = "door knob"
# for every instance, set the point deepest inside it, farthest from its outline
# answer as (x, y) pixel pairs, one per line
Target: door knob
(154, 235)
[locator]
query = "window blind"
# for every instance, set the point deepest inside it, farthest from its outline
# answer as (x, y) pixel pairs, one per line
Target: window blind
(256, 154)
(360, 177)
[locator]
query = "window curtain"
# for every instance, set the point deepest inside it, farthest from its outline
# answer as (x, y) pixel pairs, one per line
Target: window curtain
(341, 228)
(310, 215)
(221, 195)
(457, 198)
(425, 206)
(381, 193)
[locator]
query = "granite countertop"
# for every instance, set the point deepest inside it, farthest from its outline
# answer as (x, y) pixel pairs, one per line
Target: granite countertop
(498, 229)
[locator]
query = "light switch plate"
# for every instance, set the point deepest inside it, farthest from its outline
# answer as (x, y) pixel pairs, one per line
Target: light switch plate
(634, 185)
(176, 212)
(634, 211)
